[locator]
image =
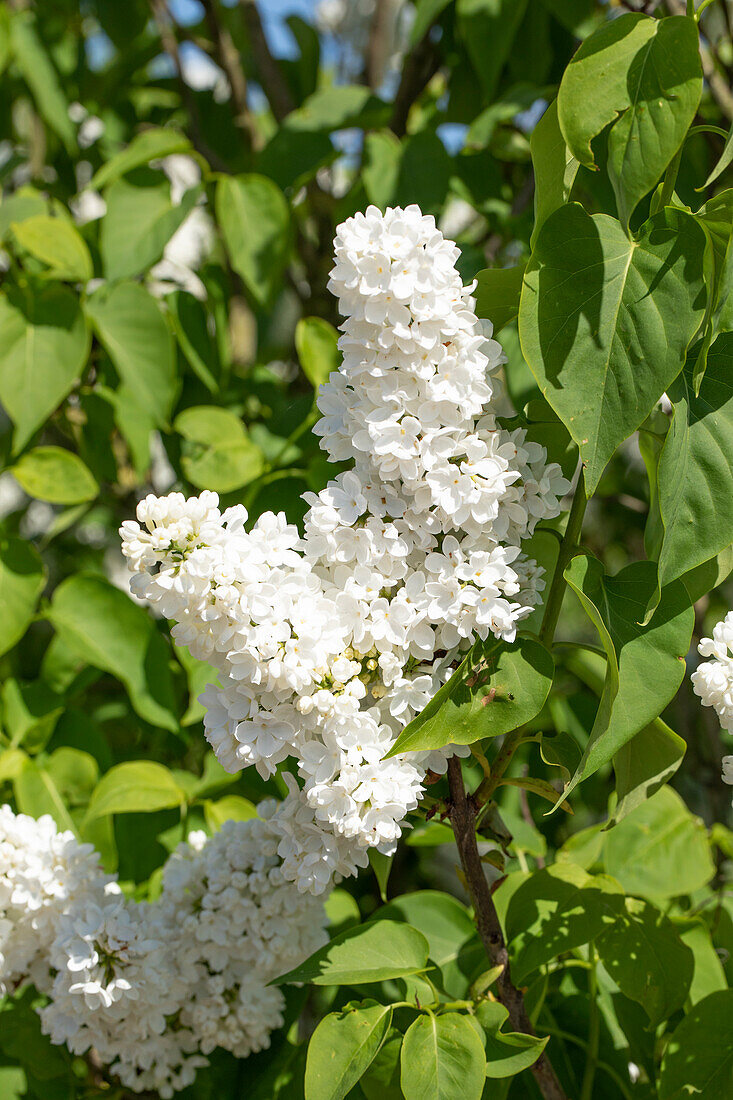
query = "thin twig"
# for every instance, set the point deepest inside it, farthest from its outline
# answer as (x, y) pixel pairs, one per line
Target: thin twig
(420, 66)
(168, 36)
(463, 820)
(273, 83)
(228, 57)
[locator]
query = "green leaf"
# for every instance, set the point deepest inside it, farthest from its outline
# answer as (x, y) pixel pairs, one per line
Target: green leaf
(555, 910)
(488, 29)
(485, 697)
(232, 807)
(133, 331)
(30, 713)
(152, 144)
(22, 579)
(645, 664)
(221, 456)
(139, 222)
(497, 294)
(316, 343)
(24, 203)
(36, 794)
(337, 108)
(56, 475)
(380, 171)
(107, 630)
(659, 850)
(34, 62)
(381, 865)
(369, 953)
(507, 1052)
(57, 243)
(647, 959)
(726, 158)
(442, 1058)
(447, 926)
(555, 168)
(44, 345)
(644, 764)
(382, 1078)
(605, 321)
(342, 1047)
(694, 474)
(709, 975)
(136, 786)
(255, 221)
(698, 1059)
(651, 76)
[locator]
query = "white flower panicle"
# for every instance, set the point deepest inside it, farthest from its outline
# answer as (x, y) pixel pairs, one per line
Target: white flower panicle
(328, 644)
(712, 680)
(154, 988)
(42, 873)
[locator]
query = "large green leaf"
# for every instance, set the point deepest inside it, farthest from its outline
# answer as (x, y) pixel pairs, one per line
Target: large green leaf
(644, 763)
(218, 453)
(316, 342)
(447, 926)
(694, 476)
(56, 242)
(382, 1078)
(645, 664)
(647, 959)
(342, 1047)
(369, 953)
(488, 29)
(660, 849)
(337, 107)
(152, 144)
(507, 1052)
(107, 630)
(22, 579)
(651, 76)
(140, 220)
(555, 168)
(555, 910)
(44, 345)
(36, 67)
(255, 220)
(36, 794)
(56, 475)
(130, 325)
(497, 294)
(442, 1058)
(136, 786)
(699, 1055)
(497, 688)
(605, 321)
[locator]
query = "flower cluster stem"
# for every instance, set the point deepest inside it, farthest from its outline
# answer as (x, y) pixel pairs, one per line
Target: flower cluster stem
(463, 819)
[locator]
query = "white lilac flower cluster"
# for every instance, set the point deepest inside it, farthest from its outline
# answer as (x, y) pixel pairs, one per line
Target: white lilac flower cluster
(152, 988)
(712, 680)
(327, 644)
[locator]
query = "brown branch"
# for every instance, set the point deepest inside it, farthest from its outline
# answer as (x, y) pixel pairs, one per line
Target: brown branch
(463, 820)
(717, 83)
(421, 65)
(271, 78)
(228, 57)
(165, 24)
(376, 53)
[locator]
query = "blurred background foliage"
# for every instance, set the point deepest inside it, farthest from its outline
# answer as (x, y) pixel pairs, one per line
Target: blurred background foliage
(172, 175)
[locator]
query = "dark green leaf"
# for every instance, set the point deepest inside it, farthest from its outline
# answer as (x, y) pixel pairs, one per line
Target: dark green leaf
(488, 29)
(22, 579)
(494, 691)
(497, 294)
(442, 1058)
(644, 763)
(255, 220)
(342, 1047)
(699, 1055)
(555, 168)
(647, 959)
(369, 953)
(605, 321)
(35, 64)
(152, 144)
(507, 1052)
(44, 344)
(659, 850)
